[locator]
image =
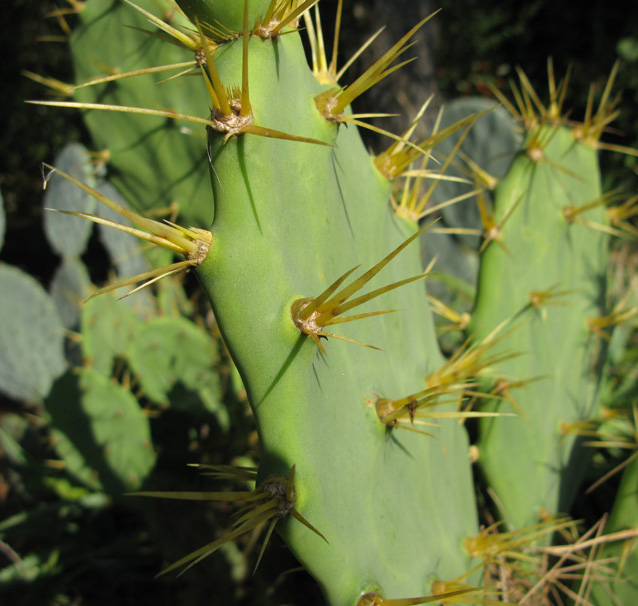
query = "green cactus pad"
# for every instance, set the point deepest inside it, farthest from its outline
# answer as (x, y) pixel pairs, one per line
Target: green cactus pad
(69, 236)
(108, 327)
(541, 251)
(69, 287)
(624, 517)
(303, 218)
(307, 214)
(31, 337)
(167, 351)
(100, 431)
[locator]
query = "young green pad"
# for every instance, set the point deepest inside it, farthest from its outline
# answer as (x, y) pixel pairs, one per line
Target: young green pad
(291, 218)
(541, 251)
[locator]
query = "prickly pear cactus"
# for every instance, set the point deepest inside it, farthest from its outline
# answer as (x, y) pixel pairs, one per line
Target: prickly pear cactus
(315, 406)
(314, 274)
(552, 294)
(32, 342)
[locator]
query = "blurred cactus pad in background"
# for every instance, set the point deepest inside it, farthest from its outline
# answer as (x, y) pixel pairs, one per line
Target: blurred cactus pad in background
(289, 355)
